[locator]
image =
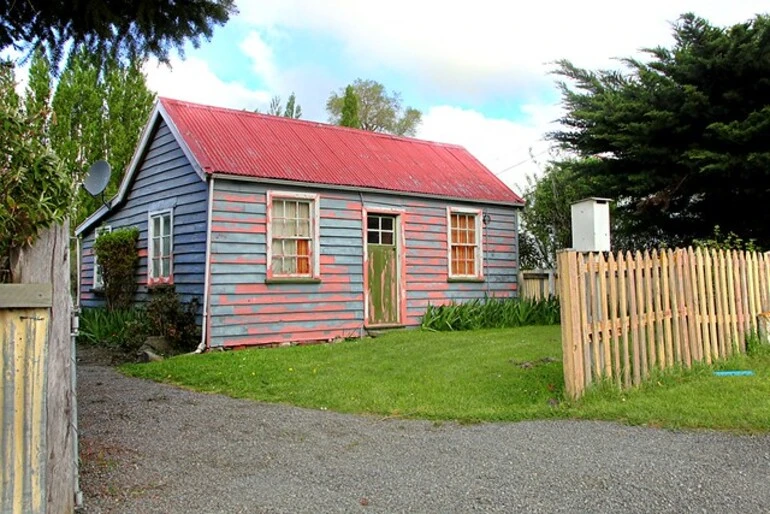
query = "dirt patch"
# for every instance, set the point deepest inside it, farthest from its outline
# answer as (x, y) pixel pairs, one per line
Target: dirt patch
(91, 355)
(532, 364)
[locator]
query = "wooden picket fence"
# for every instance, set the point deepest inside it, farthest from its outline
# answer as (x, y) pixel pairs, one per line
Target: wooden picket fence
(624, 315)
(538, 284)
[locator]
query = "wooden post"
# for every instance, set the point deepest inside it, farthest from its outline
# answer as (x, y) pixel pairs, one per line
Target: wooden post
(693, 334)
(612, 270)
(605, 322)
(625, 326)
(711, 305)
(48, 262)
(584, 328)
(665, 265)
(658, 293)
(738, 301)
(648, 312)
(704, 348)
(633, 308)
(641, 314)
(744, 302)
(571, 325)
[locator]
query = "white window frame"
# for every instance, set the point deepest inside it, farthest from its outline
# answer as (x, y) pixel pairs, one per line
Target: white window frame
(315, 247)
(98, 275)
(151, 280)
(477, 213)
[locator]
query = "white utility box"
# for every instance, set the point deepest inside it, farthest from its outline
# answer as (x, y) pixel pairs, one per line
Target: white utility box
(591, 225)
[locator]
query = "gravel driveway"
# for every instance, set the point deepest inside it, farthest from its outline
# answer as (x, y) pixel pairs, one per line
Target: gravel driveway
(148, 447)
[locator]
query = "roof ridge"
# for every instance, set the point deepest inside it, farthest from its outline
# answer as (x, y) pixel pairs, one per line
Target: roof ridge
(325, 126)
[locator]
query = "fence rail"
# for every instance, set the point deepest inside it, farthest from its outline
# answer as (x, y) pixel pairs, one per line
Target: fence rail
(538, 284)
(628, 314)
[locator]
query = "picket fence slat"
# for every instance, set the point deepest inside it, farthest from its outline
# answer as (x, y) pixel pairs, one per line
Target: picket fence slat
(625, 315)
(613, 320)
(624, 319)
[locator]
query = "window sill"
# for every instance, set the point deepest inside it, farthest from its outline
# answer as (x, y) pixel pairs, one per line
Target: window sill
(384, 326)
(292, 280)
(160, 283)
(466, 279)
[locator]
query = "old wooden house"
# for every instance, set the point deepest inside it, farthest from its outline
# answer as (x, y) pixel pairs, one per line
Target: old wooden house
(292, 231)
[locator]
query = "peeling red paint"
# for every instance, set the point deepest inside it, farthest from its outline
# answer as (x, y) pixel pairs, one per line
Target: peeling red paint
(254, 198)
(341, 215)
(281, 309)
(277, 289)
(228, 219)
(238, 259)
(250, 229)
(339, 328)
(269, 300)
(328, 259)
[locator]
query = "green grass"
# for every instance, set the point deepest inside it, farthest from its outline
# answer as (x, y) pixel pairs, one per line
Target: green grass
(485, 375)
(460, 375)
(690, 399)
(491, 313)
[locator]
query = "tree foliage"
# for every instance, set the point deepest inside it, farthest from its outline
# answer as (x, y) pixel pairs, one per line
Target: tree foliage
(547, 216)
(349, 115)
(98, 111)
(111, 28)
(117, 255)
(291, 110)
(36, 189)
(378, 110)
(681, 139)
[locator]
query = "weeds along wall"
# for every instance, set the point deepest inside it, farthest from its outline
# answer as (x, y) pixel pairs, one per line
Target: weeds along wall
(624, 315)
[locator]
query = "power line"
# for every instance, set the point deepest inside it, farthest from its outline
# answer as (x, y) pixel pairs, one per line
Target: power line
(525, 161)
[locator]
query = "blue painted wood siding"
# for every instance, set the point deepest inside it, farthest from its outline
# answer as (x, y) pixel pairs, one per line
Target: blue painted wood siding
(165, 179)
(245, 310)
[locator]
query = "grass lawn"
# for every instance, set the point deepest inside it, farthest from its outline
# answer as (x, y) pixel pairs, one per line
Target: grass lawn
(484, 375)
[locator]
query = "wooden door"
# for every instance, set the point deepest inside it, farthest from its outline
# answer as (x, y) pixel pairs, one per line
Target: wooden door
(383, 273)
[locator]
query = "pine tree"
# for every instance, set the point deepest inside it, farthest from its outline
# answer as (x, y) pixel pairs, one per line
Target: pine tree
(378, 110)
(99, 109)
(681, 138)
(293, 109)
(349, 116)
(37, 100)
(111, 28)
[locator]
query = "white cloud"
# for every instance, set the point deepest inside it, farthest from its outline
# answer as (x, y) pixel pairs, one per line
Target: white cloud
(488, 46)
(262, 57)
(192, 80)
(509, 149)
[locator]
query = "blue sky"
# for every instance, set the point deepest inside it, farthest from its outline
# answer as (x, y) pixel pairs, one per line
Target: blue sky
(479, 71)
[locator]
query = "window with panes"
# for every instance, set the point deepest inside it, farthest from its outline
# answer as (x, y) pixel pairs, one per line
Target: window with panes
(380, 229)
(98, 275)
(292, 237)
(160, 247)
(464, 245)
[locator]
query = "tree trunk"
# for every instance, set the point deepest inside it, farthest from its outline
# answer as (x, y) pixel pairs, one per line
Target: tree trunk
(47, 261)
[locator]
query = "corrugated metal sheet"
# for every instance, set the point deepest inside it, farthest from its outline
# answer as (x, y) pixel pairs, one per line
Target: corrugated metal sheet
(23, 410)
(242, 143)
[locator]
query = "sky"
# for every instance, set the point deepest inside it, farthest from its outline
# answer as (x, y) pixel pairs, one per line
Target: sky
(479, 71)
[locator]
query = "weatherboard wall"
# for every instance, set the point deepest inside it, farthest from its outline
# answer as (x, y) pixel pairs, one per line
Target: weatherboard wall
(246, 310)
(165, 179)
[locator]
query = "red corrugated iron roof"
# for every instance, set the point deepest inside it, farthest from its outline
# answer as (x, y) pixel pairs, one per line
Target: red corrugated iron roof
(235, 142)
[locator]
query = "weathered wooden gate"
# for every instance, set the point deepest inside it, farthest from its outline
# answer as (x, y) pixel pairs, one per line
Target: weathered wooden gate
(25, 313)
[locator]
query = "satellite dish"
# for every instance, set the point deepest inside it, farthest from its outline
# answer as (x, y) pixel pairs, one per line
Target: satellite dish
(97, 178)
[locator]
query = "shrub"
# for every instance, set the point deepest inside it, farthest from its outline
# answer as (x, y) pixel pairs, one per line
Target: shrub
(492, 313)
(117, 255)
(173, 319)
(729, 241)
(122, 329)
